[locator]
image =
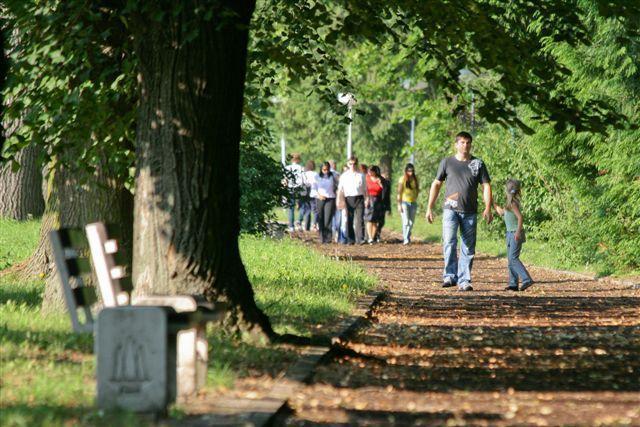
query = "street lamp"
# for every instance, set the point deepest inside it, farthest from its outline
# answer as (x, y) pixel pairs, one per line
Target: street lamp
(418, 86)
(349, 100)
(283, 143)
(466, 77)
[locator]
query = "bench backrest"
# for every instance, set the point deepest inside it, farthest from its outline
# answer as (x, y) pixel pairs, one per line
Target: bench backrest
(114, 281)
(68, 245)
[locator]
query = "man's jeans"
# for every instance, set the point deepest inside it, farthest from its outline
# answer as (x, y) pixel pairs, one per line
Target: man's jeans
(458, 271)
(408, 216)
(292, 210)
(516, 268)
(305, 213)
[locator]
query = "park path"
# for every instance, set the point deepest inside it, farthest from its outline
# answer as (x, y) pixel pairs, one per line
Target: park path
(565, 352)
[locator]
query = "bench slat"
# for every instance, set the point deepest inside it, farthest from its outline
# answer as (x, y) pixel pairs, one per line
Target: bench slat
(78, 266)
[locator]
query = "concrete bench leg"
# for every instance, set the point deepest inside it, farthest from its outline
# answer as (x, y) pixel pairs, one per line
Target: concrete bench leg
(192, 356)
(134, 367)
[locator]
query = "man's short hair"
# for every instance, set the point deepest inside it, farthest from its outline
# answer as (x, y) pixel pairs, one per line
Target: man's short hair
(353, 159)
(464, 135)
(296, 157)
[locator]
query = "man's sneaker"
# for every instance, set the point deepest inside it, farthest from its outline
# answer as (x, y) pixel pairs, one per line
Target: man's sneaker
(465, 288)
(526, 285)
(511, 288)
(448, 283)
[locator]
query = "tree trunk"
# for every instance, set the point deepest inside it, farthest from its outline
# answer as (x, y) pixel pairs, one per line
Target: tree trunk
(20, 195)
(186, 219)
(74, 202)
(386, 163)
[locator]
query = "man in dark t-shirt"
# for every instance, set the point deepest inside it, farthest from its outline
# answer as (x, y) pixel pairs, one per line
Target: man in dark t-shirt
(463, 174)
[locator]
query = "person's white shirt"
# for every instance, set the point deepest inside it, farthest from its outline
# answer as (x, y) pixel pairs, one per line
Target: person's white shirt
(324, 186)
(298, 176)
(310, 179)
(353, 184)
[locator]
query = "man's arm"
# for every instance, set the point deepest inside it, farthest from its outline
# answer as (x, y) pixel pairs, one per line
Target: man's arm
(488, 201)
(433, 196)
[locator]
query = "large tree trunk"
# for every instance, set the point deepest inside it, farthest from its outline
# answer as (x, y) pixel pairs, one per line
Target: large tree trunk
(74, 202)
(20, 191)
(186, 221)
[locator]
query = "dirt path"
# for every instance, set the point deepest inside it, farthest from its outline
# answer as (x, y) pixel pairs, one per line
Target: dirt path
(565, 352)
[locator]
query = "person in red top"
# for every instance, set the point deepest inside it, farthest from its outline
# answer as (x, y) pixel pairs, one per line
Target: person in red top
(374, 209)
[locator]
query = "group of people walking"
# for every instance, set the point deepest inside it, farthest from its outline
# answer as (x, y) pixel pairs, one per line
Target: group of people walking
(344, 202)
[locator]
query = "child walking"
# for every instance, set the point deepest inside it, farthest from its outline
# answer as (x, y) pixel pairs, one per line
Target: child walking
(515, 236)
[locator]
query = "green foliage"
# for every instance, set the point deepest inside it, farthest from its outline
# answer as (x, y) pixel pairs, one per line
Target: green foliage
(261, 188)
(71, 84)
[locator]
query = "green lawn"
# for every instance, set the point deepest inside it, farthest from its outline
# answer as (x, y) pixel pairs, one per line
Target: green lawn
(47, 372)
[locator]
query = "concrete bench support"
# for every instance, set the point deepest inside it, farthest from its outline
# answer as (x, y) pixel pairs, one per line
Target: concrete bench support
(135, 369)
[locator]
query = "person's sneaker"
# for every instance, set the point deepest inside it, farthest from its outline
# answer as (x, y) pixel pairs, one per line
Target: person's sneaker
(511, 288)
(526, 285)
(291, 229)
(448, 283)
(465, 288)
(406, 242)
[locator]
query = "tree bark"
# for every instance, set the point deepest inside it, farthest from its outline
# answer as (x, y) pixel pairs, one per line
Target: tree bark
(386, 163)
(20, 195)
(72, 201)
(186, 218)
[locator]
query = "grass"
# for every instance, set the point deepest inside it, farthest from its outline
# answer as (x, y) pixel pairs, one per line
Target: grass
(47, 372)
(17, 240)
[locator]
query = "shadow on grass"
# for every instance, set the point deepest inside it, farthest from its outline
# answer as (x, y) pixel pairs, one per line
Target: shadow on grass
(29, 293)
(58, 415)
(45, 339)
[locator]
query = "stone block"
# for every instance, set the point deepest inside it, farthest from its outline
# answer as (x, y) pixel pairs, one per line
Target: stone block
(135, 368)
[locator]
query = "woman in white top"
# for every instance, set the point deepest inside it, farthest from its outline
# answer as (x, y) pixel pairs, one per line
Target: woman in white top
(324, 187)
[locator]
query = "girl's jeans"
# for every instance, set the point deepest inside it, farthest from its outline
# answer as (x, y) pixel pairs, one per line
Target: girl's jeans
(458, 271)
(408, 216)
(516, 268)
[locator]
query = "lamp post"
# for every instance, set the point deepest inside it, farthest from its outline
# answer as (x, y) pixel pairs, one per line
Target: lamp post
(349, 100)
(467, 76)
(275, 100)
(406, 83)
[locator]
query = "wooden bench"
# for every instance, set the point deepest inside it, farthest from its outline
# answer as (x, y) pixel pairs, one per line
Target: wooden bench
(139, 348)
(115, 287)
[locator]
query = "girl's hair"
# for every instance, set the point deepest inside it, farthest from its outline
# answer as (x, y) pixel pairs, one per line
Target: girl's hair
(512, 190)
(414, 179)
(328, 166)
(376, 170)
(311, 165)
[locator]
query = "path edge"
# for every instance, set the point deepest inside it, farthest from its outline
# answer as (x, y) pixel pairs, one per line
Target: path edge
(302, 369)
